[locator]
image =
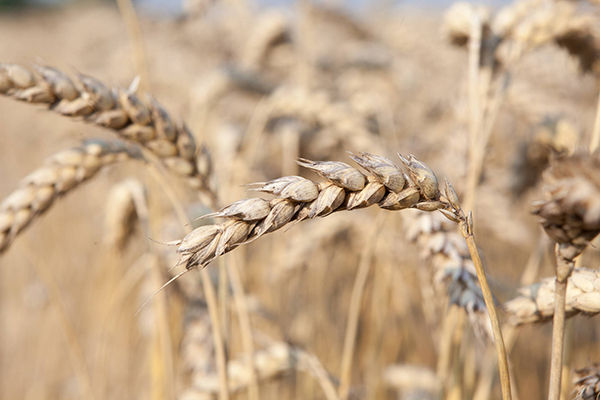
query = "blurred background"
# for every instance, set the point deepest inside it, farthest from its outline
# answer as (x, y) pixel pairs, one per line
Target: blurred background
(261, 84)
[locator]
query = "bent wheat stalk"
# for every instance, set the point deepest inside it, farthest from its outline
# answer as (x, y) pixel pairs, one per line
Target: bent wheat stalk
(60, 174)
(345, 188)
(145, 123)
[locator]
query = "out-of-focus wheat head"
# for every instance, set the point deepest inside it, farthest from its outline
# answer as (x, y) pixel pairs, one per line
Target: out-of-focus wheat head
(453, 269)
(60, 174)
(527, 25)
(587, 383)
(125, 202)
(553, 137)
(413, 382)
(535, 303)
(570, 214)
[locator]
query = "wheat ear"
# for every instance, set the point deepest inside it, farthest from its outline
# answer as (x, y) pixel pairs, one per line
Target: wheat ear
(271, 362)
(535, 303)
(570, 214)
(60, 174)
(145, 123)
(345, 188)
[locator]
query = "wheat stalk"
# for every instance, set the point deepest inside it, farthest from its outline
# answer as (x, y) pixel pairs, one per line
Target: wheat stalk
(145, 123)
(570, 215)
(60, 174)
(535, 303)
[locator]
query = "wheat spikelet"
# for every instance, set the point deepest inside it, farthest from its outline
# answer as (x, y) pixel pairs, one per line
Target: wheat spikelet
(60, 174)
(536, 302)
(298, 198)
(147, 124)
(122, 205)
(453, 268)
(571, 212)
(587, 383)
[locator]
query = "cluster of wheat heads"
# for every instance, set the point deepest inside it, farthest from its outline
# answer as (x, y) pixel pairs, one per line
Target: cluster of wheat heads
(296, 199)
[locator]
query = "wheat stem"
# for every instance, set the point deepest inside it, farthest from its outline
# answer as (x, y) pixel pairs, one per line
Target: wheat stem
(563, 271)
(466, 230)
(358, 288)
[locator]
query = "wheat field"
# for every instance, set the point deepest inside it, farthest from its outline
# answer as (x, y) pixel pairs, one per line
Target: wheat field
(327, 191)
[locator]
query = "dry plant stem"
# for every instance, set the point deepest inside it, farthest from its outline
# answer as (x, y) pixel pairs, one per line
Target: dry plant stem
(74, 349)
(563, 271)
(245, 326)
(596, 131)
(211, 298)
(209, 292)
(530, 272)
(489, 302)
(162, 355)
(134, 31)
(474, 109)
(354, 310)
(223, 296)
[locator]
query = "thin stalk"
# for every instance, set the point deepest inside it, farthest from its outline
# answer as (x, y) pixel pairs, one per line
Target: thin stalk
(209, 291)
(354, 311)
(467, 233)
(136, 38)
(563, 271)
(596, 132)
(245, 327)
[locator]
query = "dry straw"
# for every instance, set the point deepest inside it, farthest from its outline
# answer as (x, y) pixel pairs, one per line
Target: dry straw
(146, 123)
(60, 174)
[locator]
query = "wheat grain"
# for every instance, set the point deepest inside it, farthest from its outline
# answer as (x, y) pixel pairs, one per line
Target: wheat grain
(535, 303)
(145, 123)
(60, 174)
